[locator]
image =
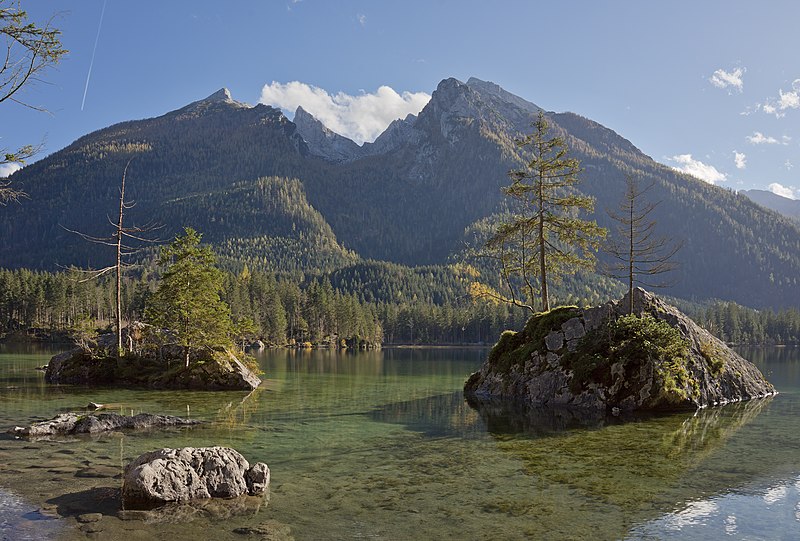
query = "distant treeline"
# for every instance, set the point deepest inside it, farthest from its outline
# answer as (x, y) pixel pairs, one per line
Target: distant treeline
(737, 324)
(313, 310)
(281, 311)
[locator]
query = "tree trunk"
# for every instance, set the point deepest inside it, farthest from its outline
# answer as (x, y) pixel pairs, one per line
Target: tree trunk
(119, 261)
(542, 265)
(630, 262)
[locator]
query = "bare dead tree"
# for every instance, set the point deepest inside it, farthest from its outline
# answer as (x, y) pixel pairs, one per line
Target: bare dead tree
(123, 250)
(638, 252)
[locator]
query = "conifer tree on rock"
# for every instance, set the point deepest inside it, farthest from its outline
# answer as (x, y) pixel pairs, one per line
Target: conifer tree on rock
(187, 301)
(545, 238)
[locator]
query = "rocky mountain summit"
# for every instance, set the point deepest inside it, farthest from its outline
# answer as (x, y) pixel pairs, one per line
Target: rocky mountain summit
(602, 359)
(324, 142)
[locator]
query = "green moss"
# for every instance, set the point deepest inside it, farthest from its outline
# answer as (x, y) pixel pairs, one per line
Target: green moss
(632, 341)
(713, 357)
(502, 356)
(517, 347)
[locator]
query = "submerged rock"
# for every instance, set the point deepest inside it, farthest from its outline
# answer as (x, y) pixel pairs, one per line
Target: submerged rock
(76, 423)
(600, 359)
(180, 475)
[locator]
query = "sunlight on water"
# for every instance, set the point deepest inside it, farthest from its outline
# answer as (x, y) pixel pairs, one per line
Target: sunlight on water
(382, 445)
(750, 514)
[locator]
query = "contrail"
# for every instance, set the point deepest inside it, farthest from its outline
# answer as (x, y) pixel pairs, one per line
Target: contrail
(91, 63)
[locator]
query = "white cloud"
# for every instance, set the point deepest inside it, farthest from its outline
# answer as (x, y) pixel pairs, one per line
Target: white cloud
(361, 118)
(783, 191)
(362, 19)
(7, 168)
(788, 165)
(698, 169)
(724, 79)
(759, 138)
(785, 100)
(740, 159)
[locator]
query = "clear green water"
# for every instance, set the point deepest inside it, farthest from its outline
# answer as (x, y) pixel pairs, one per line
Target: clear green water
(381, 445)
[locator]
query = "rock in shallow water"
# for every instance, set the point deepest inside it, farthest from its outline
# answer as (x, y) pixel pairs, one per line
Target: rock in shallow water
(557, 361)
(179, 475)
(76, 423)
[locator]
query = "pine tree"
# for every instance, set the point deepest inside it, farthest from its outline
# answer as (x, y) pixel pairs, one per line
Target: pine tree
(637, 251)
(544, 238)
(187, 301)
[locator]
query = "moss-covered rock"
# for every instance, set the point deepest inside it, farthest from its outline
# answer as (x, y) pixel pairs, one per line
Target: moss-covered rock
(162, 368)
(602, 359)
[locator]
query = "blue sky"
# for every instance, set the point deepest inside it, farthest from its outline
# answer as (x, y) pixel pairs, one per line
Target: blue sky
(645, 69)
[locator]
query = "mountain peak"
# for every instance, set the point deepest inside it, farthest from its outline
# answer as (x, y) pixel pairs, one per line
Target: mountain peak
(321, 140)
(223, 94)
(493, 90)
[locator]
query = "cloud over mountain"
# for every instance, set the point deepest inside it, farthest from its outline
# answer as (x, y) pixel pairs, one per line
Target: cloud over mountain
(361, 118)
(783, 191)
(708, 173)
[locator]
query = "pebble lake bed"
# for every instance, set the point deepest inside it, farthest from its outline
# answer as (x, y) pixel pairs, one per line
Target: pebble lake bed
(382, 445)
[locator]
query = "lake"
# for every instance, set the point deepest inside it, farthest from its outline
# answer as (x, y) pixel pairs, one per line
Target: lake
(381, 445)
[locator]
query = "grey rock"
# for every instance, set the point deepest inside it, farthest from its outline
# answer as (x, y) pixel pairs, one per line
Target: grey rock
(399, 133)
(635, 386)
(554, 340)
(257, 479)
(76, 423)
(593, 317)
(324, 142)
(180, 475)
(573, 329)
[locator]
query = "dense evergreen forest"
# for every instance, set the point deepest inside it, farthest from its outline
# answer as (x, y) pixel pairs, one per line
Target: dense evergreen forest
(321, 311)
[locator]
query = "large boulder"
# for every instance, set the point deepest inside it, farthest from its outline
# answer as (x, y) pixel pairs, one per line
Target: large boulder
(180, 475)
(77, 423)
(600, 359)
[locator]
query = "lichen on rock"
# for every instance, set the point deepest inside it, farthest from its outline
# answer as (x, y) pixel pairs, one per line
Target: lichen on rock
(603, 359)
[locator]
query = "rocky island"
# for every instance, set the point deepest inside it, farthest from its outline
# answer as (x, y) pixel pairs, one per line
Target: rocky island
(151, 365)
(604, 359)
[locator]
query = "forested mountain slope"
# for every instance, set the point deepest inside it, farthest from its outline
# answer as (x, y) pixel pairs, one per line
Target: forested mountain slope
(266, 193)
